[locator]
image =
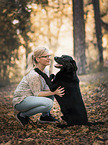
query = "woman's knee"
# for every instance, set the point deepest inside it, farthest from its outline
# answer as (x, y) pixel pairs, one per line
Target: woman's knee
(33, 102)
(49, 103)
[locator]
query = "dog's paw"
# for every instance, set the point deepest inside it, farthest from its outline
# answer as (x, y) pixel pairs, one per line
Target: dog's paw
(52, 76)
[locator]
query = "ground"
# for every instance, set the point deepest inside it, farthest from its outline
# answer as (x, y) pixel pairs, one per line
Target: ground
(94, 88)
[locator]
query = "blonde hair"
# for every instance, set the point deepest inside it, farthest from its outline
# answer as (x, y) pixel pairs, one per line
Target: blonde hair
(31, 61)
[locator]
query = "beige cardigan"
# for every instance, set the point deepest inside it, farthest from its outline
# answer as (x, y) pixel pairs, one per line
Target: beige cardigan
(30, 85)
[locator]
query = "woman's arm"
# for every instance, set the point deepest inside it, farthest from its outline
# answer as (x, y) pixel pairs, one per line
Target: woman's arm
(59, 91)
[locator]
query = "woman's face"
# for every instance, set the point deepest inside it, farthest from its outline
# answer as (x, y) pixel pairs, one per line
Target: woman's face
(44, 59)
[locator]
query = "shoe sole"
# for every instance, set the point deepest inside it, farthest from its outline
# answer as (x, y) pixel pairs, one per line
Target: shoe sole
(19, 121)
(46, 121)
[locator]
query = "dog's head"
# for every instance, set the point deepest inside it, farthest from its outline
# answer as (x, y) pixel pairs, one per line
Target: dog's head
(65, 62)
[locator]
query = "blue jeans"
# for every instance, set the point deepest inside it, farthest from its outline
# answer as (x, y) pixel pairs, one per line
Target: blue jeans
(32, 105)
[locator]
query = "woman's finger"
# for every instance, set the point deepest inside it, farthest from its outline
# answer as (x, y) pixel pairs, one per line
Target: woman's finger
(62, 91)
(61, 88)
(61, 95)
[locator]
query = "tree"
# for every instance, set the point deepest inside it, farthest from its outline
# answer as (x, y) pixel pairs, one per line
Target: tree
(79, 35)
(9, 39)
(14, 21)
(98, 29)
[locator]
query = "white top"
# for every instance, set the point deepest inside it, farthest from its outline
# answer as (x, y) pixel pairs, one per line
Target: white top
(30, 85)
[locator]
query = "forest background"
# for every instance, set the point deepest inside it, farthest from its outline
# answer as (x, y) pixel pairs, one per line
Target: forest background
(78, 28)
(62, 26)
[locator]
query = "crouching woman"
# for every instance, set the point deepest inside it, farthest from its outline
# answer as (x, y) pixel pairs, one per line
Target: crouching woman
(32, 94)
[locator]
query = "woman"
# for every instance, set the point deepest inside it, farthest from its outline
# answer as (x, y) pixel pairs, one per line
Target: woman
(32, 95)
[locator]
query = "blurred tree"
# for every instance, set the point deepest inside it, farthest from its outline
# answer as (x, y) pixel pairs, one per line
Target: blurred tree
(14, 21)
(53, 37)
(9, 39)
(79, 35)
(52, 19)
(98, 30)
(42, 2)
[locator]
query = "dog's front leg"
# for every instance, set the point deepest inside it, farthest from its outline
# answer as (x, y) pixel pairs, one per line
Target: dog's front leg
(50, 83)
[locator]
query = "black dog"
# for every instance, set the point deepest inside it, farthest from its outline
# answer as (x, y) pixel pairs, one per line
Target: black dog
(71, 104)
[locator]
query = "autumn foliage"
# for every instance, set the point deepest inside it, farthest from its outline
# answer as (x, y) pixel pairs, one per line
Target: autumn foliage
(94, 89)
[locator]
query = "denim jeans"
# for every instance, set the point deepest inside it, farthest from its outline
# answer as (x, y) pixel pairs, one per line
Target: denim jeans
(32, 105)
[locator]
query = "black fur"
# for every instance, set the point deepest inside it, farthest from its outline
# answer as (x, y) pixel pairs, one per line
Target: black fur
(71, 104)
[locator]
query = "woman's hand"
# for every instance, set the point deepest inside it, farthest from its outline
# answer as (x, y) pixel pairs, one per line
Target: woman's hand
(59, 91)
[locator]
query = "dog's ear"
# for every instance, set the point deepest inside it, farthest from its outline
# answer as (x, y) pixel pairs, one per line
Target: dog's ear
(73, 65)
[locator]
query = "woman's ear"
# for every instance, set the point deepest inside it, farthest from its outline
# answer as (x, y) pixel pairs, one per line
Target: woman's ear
(35, 60)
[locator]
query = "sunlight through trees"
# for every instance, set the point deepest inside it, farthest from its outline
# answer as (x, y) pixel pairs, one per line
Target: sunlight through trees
(27, 24)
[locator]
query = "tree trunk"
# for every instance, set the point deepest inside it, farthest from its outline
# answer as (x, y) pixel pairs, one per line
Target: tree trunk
(98, 29)
(79, 35)
(27, 48)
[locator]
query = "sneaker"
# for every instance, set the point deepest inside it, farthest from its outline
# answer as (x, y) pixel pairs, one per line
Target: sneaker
(48, 119)
(23, 121)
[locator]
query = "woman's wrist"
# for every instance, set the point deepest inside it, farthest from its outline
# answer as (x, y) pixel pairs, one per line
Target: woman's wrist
(45, 93)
